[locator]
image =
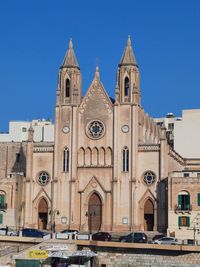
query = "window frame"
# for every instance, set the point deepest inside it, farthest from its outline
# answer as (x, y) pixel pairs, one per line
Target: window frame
(67, 88)
(65, 166)
(183, 221)
(125, 159)
(126, 88)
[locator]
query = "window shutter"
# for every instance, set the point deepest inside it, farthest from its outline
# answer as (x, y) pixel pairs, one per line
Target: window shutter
(2, 200)
(187, 221)
(179, 199)
(179, 221)
(187, 199)
(198, 199)
(1, 218)
(187, 202)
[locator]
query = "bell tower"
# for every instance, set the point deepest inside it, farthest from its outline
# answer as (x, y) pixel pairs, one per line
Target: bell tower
(65, 151)
(69, 83)
(128, 78)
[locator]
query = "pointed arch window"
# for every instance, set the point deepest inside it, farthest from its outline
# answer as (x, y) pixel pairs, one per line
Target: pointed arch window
(125, 159)
(67, 88)
(3, 204)
(66, 160)
(126, 87)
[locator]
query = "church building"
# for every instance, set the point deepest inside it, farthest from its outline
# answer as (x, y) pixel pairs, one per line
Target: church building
(109, 168)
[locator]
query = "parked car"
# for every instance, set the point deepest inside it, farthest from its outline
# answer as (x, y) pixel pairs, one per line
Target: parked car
(134, 237)
(8, 231)
(167, 241)
(101, 236)
(66, 234)
(30, 232)
(157, 237)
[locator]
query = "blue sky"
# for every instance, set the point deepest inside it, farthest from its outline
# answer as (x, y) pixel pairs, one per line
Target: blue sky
(34, 38)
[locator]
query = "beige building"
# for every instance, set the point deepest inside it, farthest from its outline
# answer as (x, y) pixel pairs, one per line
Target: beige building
(186, 134)
(108, 167)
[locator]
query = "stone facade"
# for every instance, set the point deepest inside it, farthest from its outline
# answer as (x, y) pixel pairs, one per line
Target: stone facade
(109, 165)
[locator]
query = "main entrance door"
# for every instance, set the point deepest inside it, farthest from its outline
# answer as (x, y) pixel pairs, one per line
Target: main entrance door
(42, 214)
(148, 215)
(94, 213)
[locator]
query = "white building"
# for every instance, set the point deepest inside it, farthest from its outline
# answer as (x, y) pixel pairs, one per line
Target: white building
(187, 134)
(18, 131)
(168, 122)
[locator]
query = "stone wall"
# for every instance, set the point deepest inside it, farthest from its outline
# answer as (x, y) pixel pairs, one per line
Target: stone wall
(127, 257)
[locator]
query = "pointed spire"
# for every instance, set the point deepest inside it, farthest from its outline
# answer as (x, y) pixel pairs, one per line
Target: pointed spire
(70, 58)
(96, 75)
(128, 57)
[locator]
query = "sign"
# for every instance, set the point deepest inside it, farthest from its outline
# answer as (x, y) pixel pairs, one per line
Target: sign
(57, 247)
(125, 220)
(38, 254)
(64, 220)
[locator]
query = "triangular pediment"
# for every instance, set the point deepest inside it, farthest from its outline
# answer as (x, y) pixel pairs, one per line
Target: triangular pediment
(94, 183)
(96, 98)
(146, 195)
(40, 194)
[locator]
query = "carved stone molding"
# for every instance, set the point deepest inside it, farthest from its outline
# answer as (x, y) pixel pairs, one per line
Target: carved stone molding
(148, 148)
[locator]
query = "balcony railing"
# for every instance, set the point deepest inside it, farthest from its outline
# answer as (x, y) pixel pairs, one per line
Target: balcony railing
(3, 206)
(183, 208)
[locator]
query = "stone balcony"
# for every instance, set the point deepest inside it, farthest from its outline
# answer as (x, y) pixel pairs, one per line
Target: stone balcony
(183, 208)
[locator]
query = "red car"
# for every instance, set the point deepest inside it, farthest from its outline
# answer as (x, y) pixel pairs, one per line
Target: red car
(101, 236)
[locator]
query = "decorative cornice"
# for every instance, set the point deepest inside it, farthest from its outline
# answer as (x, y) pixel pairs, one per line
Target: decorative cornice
(192, 162)
(148, 148)
(172, 153)
(43, 148)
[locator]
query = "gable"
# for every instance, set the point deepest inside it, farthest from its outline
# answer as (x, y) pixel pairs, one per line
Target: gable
(96, 103)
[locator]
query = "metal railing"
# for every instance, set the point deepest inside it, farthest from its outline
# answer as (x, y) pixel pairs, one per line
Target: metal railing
(183, 208)
(3, 206)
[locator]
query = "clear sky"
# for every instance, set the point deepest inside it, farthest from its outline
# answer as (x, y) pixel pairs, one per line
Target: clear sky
(34, 36)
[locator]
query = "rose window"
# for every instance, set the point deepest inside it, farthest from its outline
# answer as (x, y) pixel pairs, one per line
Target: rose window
(149, 178)
(43, 178)
(96, 129)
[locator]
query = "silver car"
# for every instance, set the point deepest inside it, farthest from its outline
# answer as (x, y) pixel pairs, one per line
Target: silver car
(166, 241)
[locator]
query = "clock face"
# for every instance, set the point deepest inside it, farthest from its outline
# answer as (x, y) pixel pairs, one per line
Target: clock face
(65, 129)
(125, 128)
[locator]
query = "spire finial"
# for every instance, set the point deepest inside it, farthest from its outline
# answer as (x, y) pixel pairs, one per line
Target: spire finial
(129, 41)
(128, 57)
(70, 58)
(97, 72)
(70, 43)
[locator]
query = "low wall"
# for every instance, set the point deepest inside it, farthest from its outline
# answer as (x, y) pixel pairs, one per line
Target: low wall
(144, 255)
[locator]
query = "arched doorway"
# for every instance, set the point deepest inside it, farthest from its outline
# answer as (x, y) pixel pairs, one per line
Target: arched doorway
(148, 215)
(42, 214)
(94, 213)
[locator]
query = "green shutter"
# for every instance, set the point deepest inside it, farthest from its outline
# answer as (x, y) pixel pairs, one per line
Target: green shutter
(187, 202)
(1, 218)
(198, 199)
(179, 221)
(187, 221)
(187, 199)
(2, 199)
(179, 199)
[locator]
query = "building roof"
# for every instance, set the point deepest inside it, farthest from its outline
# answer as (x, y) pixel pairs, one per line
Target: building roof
(128, 57)
(70, 58)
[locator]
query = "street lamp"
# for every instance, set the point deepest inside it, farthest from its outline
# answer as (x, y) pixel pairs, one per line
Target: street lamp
(194, 232)
(90, 214)
(53, 214)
